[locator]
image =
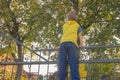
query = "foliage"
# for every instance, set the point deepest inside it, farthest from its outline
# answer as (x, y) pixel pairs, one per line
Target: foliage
(101, 18)
(82, 71)
(40, 21)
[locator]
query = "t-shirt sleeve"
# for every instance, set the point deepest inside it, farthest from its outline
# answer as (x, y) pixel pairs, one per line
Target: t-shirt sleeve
(80, 30)
(61, 31)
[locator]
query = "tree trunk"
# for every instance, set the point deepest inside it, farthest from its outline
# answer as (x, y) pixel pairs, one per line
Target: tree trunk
(20, 59)
(75, 4)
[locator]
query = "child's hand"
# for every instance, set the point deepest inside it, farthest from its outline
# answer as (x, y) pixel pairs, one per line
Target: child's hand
(81, 46)
(57, 48)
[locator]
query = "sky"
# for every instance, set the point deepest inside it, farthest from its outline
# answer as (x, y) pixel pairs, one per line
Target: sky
(42, 69)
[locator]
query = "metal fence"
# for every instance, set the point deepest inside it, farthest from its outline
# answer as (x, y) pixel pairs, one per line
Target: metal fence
(96, 62)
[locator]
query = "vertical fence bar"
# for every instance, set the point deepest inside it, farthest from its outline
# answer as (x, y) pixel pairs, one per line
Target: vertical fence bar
(5, 60)
(48, 63)
(29, 74)
(88, 67)
(101, 58)
(4, 68)
(12, 72)
(39, 66)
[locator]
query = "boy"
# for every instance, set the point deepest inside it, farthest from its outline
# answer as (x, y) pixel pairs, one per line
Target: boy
(71, 31)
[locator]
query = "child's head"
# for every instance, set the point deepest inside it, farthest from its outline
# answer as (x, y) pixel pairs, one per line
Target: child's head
(72, 15)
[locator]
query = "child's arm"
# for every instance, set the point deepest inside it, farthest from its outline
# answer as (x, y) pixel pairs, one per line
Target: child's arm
(80, 36)
(81, 39)
(57, 48)
(59, 36)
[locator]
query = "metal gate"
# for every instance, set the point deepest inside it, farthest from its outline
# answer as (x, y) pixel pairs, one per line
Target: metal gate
(96, 62)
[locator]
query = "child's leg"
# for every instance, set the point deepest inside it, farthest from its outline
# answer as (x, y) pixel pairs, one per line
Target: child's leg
(62, 63)
(73, 61)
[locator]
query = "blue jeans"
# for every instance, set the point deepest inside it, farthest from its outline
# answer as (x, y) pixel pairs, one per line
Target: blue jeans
(68, 55)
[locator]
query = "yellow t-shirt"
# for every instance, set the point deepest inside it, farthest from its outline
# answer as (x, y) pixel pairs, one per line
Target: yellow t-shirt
(70, 32)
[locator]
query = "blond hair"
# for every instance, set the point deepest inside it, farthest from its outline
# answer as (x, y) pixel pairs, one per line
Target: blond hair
(72, 15)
